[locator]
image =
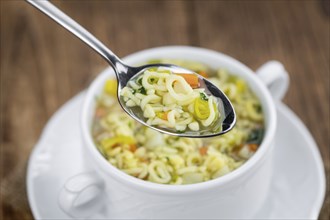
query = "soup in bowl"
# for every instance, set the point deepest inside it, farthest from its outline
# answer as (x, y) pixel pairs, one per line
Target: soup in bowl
(135, 172)
(149, 155)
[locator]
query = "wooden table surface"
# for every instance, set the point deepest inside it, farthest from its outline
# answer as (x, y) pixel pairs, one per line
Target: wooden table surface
(43, 66)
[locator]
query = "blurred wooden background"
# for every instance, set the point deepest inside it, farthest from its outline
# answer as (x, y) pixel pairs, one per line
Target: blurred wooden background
(43, 66)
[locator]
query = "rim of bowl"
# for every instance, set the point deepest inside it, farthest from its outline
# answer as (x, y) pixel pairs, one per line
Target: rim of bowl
(157, 188)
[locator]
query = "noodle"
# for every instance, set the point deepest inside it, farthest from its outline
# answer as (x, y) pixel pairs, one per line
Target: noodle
(165, 99)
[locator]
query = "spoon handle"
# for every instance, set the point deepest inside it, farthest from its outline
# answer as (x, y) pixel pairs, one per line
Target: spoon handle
(72, 26)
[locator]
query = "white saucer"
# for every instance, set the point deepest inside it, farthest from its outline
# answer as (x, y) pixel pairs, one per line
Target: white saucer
(297, 190)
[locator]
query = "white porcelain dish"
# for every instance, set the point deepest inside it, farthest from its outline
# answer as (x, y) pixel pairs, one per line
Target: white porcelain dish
(294, 193)
(97, 187)
(243, 189)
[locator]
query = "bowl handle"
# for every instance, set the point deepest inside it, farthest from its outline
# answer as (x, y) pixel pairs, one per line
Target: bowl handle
(275, 77)
(82, 195)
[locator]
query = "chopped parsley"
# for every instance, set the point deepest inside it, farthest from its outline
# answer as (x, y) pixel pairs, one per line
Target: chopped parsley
(203, 96)
(139, 81)
(256, 136)
(258, 108)
(142, 90)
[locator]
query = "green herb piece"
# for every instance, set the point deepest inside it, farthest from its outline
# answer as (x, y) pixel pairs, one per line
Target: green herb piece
(203, 96)
(258, 108)
(142, 90)
(256, 136)
(139, 81)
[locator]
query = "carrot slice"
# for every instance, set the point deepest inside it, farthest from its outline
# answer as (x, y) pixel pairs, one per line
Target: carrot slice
(132, 147)
(162, 115)
(203, 151)
(253, 147)
(203, 74)
(100, 112)
(191, 79)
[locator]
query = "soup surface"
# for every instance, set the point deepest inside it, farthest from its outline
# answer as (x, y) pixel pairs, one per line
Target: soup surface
(149, 155)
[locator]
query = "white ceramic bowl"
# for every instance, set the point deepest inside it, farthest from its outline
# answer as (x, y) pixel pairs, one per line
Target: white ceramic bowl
(238, 194)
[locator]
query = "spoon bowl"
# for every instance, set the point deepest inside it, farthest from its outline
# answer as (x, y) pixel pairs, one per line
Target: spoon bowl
(222, 125)
(124, 73)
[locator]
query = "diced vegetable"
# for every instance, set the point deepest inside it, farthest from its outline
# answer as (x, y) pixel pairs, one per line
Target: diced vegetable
(139, 81)
(203, 96)
(191, 79)
(118, 140)
(203, 74)
(258, 108)
(203, 151)
(247, 151)
(253, 147)
(132, 147)
(201, 109)
(256, 136)
(162, 115)
(100, 112)
(111, 87)
(142, 90)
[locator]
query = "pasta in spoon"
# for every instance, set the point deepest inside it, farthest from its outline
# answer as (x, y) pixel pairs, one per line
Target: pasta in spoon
(174, 101)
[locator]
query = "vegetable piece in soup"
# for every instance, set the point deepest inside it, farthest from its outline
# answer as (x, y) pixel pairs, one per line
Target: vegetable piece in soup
(152, 156)
(170, 100)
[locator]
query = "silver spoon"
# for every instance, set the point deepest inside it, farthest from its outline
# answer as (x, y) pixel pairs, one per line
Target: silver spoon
(125, 72)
